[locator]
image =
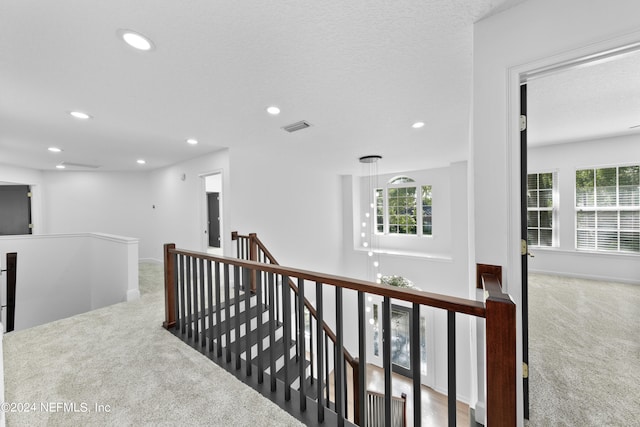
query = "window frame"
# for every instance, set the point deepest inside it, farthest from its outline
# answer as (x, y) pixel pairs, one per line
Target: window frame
(553, 210)
(593, 230)
(382, 192)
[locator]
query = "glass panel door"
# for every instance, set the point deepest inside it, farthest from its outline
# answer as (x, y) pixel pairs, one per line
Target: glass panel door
(401, 340)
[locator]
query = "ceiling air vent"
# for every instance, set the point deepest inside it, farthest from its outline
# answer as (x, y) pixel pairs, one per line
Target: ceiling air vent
(296, 126)
(79, 165)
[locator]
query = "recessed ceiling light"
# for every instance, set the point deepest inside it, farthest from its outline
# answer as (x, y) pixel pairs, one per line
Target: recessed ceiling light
(54, 149)
(80, 115)
(273, 110)
(192, 141)
(60, 166)
(141, 161)
(136, 40)
(417, 125)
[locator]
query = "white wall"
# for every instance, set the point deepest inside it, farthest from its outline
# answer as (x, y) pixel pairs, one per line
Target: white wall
(440, 274)
(176, 207)
(62, 275)
(113, 269)
(436, 245)
(526, 37)
(106, 202)
(293, 203)
(565, 159)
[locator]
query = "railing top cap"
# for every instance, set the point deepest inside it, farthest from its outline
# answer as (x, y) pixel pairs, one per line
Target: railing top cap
(445, 302)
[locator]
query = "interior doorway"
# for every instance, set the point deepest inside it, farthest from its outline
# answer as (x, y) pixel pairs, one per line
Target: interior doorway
(574, 130)
(213, 221)
(15, 210)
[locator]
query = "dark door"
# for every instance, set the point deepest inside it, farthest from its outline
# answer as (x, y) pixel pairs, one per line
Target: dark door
(213, 212)
(15, 210)
(524, 248)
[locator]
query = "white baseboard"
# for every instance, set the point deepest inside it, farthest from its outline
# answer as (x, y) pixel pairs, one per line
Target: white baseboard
(480, 413)
(150, 261)
(585, 276)
(133, 295)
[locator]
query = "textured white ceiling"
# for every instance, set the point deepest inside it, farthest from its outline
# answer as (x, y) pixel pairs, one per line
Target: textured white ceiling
(361, 72)
(598, 100)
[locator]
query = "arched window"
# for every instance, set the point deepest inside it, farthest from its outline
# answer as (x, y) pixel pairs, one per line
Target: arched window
(401, 180)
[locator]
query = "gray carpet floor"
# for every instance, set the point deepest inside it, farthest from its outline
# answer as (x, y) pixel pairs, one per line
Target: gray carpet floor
(117, 366)
(584, 352)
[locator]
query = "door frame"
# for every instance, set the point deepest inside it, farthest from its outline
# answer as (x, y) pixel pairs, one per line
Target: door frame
(524, 172)
(204, 221)
(600, 51)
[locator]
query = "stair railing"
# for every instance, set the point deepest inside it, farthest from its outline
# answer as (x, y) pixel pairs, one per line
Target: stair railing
(195, 280)
(11, 270)
(375, 410)
(251, 248)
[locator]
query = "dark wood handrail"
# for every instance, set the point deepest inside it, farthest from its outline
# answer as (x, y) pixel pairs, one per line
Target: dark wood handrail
(497, 308)
(255, 244)
(445, 302)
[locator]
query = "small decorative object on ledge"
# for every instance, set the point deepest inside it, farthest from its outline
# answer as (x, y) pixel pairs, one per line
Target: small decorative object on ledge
(397, 281)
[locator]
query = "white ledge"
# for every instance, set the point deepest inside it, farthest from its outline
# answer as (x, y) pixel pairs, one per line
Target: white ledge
(409, 254)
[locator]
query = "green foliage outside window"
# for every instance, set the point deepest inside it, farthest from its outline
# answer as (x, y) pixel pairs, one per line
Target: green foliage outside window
(608, 209)
(379, 198)
(540, 209)
(402, 210)
(427, 214)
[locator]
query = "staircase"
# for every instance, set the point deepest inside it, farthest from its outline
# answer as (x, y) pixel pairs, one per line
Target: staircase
(264, 337)
(237, 318)
(252, 317)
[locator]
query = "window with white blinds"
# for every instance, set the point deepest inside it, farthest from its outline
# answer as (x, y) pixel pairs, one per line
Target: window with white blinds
(541, 209)
(608, 209)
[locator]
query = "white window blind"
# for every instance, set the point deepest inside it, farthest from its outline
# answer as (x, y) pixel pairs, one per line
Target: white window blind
(541, 209)
(608, 209)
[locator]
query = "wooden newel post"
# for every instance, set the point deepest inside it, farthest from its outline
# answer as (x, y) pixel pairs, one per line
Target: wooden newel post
(169, 287)
(253, 256)
(501, 360)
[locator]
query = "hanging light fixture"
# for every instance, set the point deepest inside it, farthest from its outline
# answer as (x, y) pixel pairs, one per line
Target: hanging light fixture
(369, 236)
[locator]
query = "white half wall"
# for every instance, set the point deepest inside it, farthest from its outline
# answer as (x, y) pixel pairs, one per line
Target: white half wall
(60, 276)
